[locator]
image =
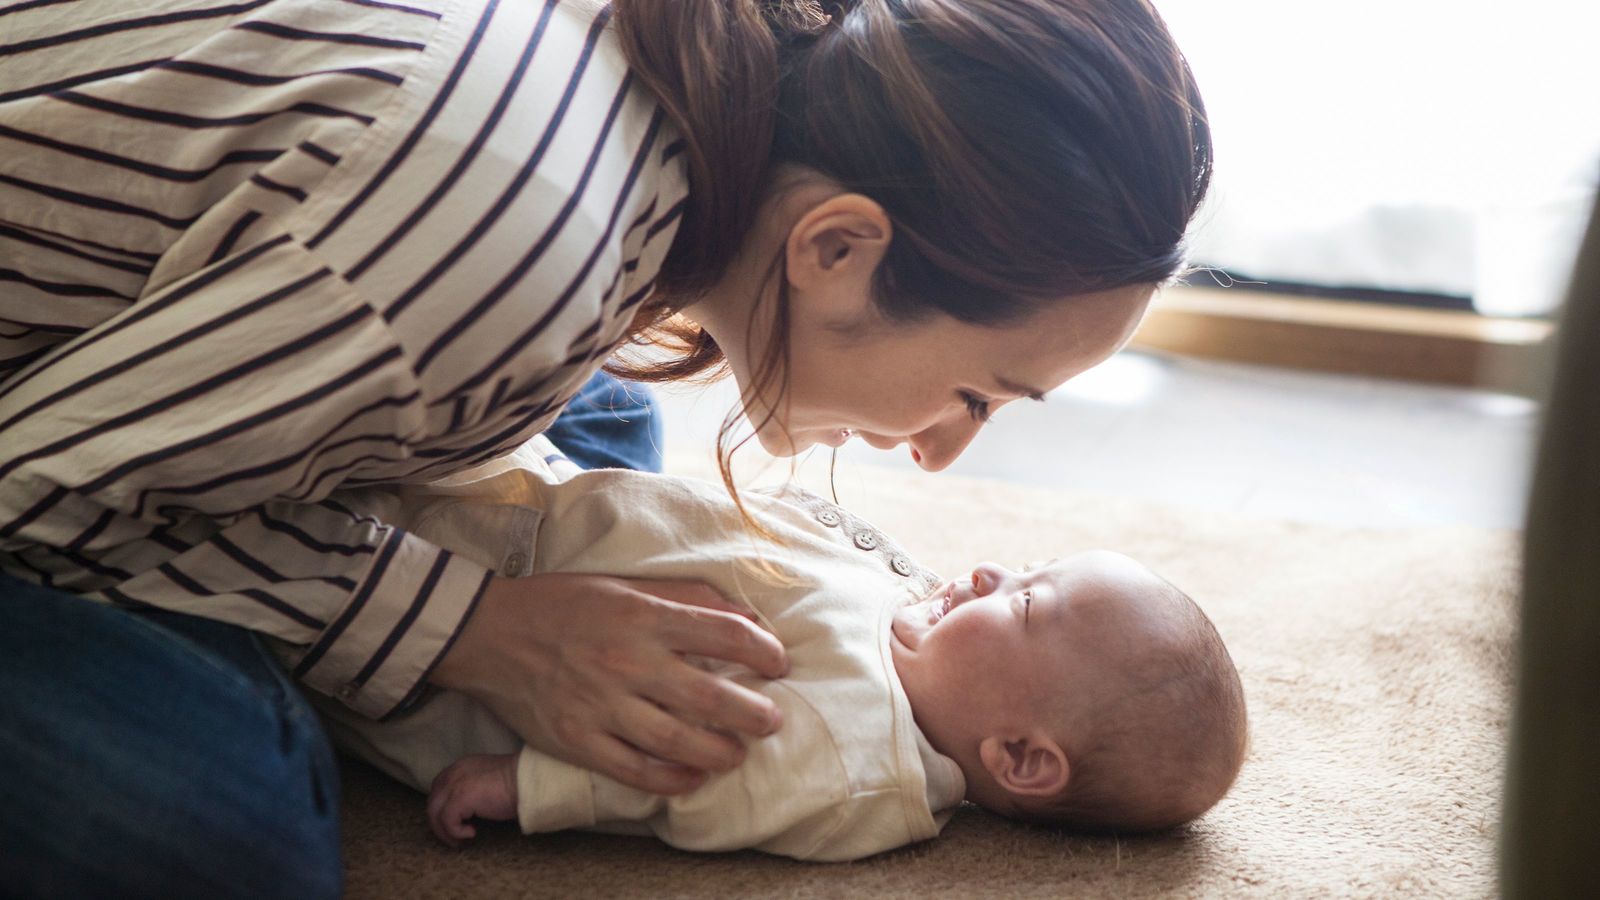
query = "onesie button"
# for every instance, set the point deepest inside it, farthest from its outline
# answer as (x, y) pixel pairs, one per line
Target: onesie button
(901, 565)
(866, 540)
(828, 517)
(348, 692)
(514, 564)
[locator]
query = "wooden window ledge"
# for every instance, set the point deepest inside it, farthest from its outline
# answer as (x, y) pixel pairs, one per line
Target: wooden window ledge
(1431, 345)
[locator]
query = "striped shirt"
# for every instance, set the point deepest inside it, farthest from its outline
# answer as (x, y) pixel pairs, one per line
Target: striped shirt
(254, 250)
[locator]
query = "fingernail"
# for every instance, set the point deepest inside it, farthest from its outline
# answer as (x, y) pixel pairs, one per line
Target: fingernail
(775, 721)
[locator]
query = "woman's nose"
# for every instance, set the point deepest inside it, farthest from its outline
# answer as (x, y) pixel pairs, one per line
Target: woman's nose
(936, 448)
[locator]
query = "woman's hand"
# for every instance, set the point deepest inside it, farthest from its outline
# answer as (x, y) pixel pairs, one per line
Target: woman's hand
(590, 669)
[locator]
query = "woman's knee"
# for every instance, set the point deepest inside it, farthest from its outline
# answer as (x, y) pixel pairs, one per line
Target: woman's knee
(139, 761)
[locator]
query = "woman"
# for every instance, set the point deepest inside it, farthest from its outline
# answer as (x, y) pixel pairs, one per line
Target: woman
(254, 251)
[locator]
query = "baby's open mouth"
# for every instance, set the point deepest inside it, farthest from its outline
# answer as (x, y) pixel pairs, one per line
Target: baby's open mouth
(940, 604)
(910, 625)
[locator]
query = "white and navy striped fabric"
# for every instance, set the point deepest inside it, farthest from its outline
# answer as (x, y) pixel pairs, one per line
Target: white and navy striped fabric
(254, 250)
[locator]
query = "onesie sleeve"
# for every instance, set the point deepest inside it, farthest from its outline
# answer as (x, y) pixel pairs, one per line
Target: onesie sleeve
(791, 797)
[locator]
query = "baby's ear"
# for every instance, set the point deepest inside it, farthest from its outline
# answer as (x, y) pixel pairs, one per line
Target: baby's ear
(1031, 765)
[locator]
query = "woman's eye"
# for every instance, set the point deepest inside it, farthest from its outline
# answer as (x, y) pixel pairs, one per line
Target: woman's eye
(977, 408)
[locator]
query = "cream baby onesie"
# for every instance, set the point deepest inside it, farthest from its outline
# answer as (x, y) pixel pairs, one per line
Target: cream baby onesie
(848, 775)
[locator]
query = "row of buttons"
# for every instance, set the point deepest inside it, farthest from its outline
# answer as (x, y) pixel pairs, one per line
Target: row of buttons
(864, 539)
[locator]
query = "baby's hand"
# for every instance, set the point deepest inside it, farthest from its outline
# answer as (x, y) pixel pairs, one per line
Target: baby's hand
(483, 787)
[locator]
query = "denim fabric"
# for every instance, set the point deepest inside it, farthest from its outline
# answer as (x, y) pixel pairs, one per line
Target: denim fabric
(610, 425)
(153, 754)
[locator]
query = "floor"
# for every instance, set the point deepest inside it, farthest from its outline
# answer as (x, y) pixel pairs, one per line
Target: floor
(1329, 449)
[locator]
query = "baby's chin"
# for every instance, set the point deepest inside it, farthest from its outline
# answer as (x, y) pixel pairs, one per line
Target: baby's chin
(913, 620)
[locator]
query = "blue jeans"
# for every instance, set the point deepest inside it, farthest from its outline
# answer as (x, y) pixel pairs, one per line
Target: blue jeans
(610, 425)
(155, 754)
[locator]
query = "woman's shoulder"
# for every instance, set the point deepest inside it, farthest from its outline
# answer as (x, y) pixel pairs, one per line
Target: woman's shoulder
(505, 224)
(522, 174)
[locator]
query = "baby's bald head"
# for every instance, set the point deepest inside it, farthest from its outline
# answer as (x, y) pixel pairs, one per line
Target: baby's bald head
(1088, 692)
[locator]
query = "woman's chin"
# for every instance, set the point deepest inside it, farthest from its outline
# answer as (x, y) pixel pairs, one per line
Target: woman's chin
(777, 443)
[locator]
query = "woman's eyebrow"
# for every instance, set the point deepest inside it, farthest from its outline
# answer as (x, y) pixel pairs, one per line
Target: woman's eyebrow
(1011, 387)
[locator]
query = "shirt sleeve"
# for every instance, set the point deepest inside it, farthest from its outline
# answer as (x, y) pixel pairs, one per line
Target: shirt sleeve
(249, 270)
(180, 455)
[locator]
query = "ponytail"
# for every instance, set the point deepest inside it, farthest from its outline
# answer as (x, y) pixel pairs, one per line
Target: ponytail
(714, 65)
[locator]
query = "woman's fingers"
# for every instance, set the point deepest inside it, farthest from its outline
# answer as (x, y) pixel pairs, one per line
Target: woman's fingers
(692, 593)
(671, 736)
(715, 700)
(700, 621)
(590, 669)
(629, 765)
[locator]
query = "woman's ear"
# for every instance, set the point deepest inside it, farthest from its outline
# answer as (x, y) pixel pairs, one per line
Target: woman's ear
(1033, 765)
(834, 249)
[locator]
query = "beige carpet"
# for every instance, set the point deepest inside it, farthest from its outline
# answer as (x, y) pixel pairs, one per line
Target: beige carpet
(1376, 667)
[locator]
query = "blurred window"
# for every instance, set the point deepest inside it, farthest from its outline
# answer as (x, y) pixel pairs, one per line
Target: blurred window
(1427, 146)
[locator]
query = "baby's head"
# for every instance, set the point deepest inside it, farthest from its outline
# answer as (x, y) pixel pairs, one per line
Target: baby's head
(1088, 692)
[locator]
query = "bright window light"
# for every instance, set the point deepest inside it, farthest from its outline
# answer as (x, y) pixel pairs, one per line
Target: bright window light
(1415, 145)
(1126, 379)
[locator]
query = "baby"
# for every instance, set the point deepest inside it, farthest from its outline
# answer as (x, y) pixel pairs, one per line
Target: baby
(1086, 692)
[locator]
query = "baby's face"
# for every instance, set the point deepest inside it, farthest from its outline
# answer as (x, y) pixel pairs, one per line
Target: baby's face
(986, 654)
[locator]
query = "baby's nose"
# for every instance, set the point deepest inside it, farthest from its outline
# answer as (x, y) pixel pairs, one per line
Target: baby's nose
(989, 577)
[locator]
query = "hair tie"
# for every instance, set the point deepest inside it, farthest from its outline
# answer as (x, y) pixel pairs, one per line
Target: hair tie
(802, 21)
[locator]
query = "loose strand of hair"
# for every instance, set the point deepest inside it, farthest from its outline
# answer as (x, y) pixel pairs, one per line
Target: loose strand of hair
(774, 367)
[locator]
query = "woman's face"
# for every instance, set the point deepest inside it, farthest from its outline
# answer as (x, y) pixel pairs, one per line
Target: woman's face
(931, 384)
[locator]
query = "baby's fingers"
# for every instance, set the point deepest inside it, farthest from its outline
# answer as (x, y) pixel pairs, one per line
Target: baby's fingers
(444, 814)
(437, 823)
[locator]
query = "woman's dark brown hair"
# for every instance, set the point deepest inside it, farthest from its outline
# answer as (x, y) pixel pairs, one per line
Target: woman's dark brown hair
(1026, 151)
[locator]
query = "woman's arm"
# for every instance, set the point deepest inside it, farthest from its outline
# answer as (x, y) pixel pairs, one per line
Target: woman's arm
(180, 454)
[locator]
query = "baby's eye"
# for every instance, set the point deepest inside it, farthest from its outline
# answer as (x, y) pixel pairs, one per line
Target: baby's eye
(977, 407)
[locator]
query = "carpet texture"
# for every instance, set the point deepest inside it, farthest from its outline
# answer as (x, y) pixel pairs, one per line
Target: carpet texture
(1376, 666)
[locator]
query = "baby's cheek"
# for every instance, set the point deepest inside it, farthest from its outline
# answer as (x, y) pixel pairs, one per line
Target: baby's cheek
(968, 642)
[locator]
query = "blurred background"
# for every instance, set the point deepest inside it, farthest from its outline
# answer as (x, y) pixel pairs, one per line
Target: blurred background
(1400, 190)
(1445, 148)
